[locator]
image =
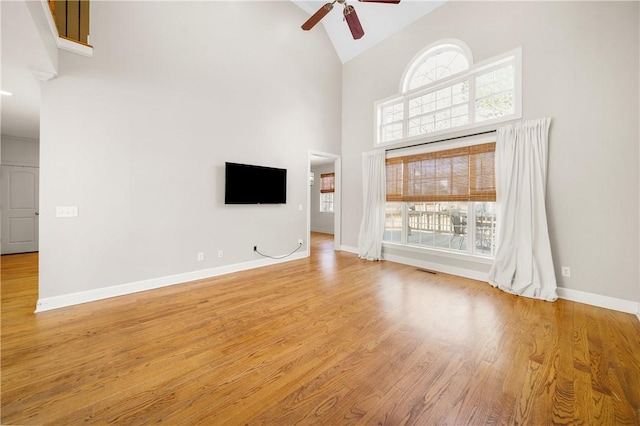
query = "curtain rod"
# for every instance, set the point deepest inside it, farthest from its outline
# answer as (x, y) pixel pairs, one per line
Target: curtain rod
(441, 140)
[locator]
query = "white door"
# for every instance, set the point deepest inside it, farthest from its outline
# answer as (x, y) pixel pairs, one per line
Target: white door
(19, 209)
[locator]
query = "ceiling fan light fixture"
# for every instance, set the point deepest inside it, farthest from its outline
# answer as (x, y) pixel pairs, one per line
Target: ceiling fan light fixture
(354, 23)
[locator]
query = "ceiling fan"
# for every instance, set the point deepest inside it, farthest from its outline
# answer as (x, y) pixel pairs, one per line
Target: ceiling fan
(349, 16)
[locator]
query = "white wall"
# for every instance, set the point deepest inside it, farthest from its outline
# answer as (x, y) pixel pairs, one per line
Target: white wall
(320, 221)
(18, 151)
(580, 67)
(137, 136)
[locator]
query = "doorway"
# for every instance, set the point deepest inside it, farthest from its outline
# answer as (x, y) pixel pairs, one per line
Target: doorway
(19, 201)
(323, 221)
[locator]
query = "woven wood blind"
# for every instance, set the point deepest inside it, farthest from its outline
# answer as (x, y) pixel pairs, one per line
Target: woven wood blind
(460, 174)
(327, 182)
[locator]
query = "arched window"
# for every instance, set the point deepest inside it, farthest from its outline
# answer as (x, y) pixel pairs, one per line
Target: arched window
(436, 64)
(444, 91)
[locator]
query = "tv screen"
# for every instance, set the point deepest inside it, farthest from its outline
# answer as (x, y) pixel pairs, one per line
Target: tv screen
(248, 184)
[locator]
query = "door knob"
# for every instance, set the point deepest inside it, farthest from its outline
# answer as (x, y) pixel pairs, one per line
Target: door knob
(37, 213)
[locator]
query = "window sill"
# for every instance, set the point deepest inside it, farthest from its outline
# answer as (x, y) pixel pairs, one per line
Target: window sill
(484, 260)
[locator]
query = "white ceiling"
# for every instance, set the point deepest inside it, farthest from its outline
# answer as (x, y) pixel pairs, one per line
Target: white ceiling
(23, 51)
(378, 20)
(316, 160)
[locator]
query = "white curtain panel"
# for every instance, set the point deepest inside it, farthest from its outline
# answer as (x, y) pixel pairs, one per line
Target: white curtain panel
(523, 263)
(374, 200)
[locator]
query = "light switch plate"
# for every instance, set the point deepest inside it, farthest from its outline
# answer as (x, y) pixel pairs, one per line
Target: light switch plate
(67, 211)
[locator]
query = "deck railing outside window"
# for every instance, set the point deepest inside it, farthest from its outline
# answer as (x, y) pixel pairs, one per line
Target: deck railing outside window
(466, 227)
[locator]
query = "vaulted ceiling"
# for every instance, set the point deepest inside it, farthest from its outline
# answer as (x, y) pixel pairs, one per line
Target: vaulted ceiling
(23, 53)
(378, 20)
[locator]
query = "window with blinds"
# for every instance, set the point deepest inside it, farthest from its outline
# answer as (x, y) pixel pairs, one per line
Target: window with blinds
(327, 188)
(327, 182)
(443, 200)
(460, 174)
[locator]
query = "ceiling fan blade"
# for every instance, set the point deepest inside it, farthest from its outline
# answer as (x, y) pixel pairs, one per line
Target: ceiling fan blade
(316, 17)
(381, 1)
(354, 23)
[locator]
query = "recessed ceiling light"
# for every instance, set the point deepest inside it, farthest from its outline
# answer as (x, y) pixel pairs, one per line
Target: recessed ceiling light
(5, 93)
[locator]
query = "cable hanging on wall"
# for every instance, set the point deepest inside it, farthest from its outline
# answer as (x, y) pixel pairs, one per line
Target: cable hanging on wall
(255, 249)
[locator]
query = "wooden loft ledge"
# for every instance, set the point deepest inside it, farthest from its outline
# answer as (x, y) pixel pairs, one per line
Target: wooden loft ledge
(71, 19)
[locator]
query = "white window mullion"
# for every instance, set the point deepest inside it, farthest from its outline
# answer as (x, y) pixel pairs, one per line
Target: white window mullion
(405, 223)
(405, 118)
(471, 227)
(472, 99)
(378, 111)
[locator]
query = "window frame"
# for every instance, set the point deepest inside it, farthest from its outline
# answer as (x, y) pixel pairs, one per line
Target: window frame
(462, 167)
(513, 56)
(327, 199)
(327, 182)
(404, 244)
(327, 189)
(433, 52)
(467, 255)
(471, 234)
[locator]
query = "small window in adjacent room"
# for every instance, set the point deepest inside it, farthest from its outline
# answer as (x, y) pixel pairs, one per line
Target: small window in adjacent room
(327, 189)
(326, 202)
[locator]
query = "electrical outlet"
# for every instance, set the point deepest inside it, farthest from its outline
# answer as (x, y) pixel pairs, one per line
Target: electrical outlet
(200, 256)
(220, 253)
(255, 248)
(300, 241)
(566, 271)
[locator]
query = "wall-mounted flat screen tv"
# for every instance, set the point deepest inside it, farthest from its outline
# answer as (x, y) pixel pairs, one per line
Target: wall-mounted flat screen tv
(249, 184)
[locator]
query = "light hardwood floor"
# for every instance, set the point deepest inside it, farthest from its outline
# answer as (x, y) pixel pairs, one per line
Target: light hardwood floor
(326, 340)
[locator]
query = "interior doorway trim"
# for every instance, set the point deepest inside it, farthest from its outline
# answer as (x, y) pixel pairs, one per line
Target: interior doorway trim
(337, 202)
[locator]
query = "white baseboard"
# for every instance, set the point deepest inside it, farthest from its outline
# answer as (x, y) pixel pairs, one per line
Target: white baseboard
(592, 299)
(349, 249)
(55, 302)
(323, 231)
(438, 267)
(601, 301)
